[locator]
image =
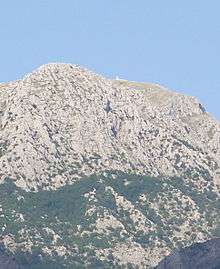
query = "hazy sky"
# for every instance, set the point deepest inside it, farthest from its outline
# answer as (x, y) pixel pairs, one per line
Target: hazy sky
(174, 43)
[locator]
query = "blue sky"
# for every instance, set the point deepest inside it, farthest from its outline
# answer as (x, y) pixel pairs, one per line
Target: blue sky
(173, 43)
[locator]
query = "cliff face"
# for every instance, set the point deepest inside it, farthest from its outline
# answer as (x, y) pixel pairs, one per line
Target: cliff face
(199, 256)
(96, 171)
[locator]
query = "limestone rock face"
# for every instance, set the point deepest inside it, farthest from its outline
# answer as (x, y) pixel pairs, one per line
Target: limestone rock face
(62, 121)
(99, 173)
(199, 256)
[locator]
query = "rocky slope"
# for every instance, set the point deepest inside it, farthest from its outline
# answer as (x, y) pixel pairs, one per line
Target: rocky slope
(199, 256)
(106, 173)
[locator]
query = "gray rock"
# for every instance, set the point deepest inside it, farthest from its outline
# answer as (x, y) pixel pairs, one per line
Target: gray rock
(60, 115)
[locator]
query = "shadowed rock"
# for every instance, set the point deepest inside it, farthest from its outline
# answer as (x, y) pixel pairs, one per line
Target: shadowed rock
(7, 262)
(198, 256)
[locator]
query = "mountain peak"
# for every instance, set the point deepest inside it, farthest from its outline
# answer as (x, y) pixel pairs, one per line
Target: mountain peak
(66, 108)
(104, 172)
(55, 67)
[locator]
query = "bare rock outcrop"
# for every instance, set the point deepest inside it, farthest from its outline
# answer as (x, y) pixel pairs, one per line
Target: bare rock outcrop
(62, 121)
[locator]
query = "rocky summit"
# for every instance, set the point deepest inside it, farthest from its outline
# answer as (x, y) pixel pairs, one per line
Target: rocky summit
(99, 173)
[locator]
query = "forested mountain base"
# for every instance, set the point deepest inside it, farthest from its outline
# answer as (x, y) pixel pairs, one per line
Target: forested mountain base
(105, 221)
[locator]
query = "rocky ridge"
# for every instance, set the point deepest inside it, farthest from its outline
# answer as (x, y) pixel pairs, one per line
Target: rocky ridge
(62, 116)
(102, 172)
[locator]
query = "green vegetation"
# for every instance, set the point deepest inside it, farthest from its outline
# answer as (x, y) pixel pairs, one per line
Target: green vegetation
(64, 212)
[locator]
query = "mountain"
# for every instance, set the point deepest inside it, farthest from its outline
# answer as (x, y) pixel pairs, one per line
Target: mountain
(198, 256)
(100, 173)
